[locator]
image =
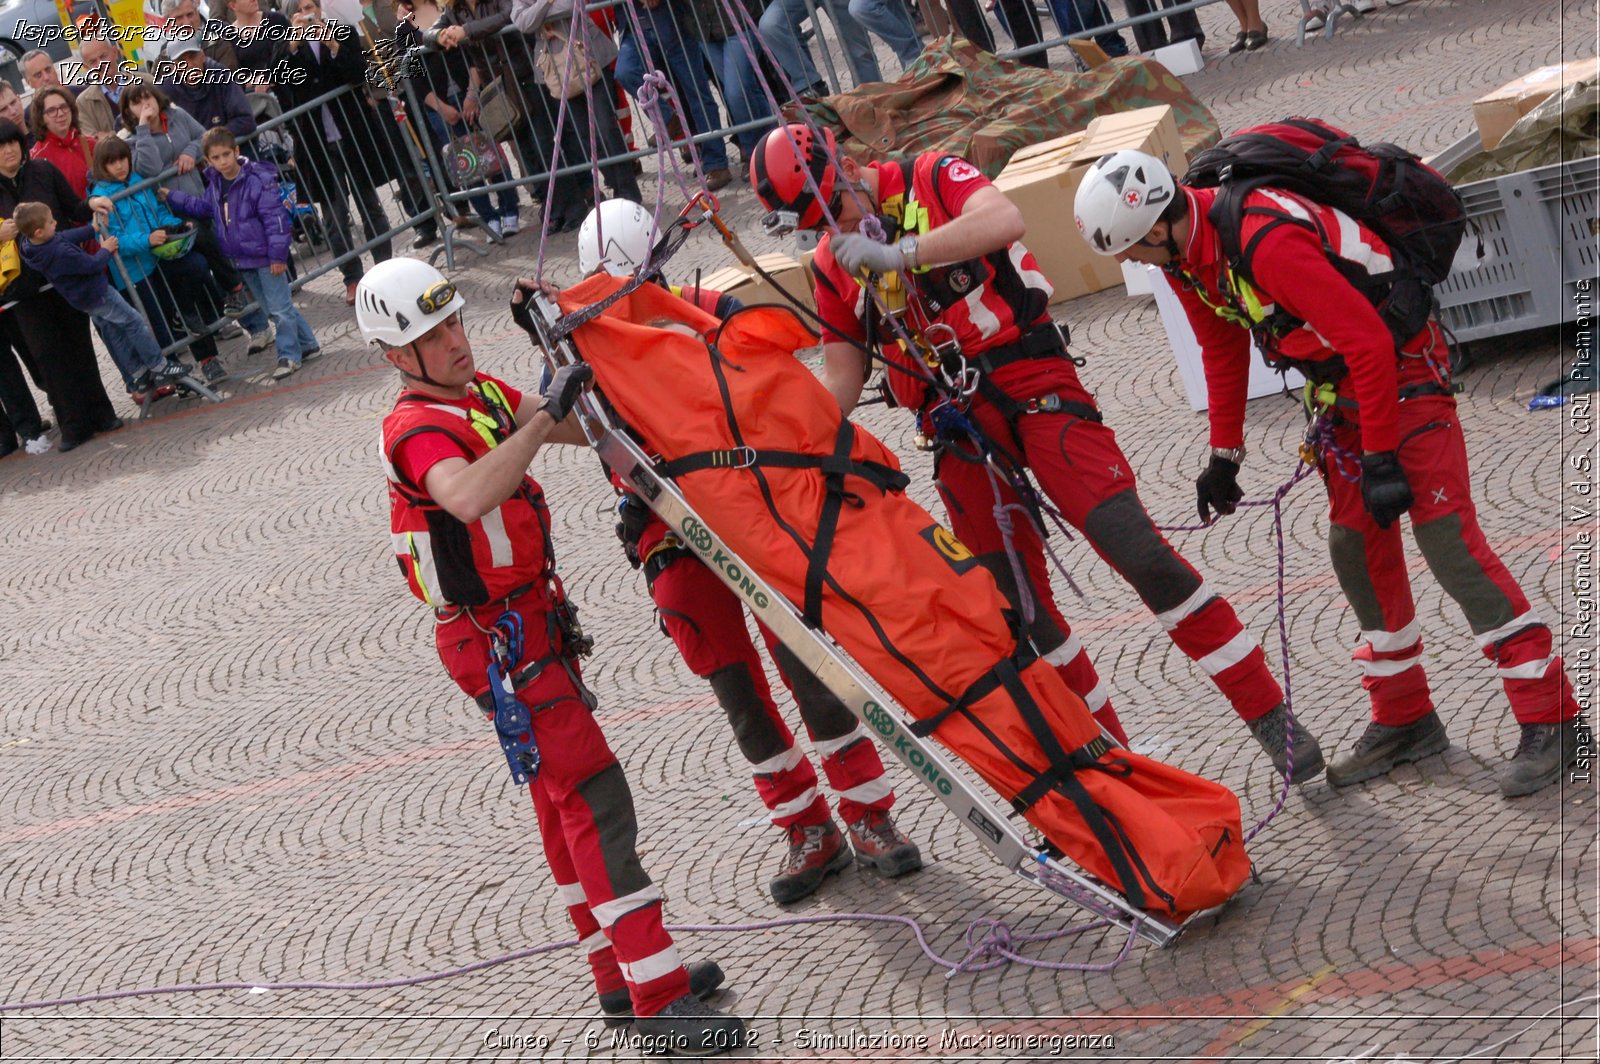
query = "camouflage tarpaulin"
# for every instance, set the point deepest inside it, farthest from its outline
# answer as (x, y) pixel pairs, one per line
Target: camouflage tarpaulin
(958, 98)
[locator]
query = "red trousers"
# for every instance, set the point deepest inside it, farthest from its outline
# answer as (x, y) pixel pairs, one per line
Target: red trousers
(1371, 567)
(706, 621)
(586, 817)
(1083, 472)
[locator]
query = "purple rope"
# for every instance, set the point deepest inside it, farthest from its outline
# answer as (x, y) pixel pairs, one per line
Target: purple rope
(1320, 429)
(997, 946)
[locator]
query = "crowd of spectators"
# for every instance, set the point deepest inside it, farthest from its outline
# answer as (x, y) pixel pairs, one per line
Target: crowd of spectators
(256, 58)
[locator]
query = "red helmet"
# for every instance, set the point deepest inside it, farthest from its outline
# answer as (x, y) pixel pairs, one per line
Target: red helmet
(778, 174)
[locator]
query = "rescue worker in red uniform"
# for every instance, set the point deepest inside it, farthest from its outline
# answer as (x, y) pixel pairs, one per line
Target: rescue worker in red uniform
(472, 535)
(955, 247)
(1391, 443)
(706, 622)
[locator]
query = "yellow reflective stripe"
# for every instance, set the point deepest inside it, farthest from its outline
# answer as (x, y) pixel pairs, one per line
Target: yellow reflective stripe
(485, 426)
(416, 567)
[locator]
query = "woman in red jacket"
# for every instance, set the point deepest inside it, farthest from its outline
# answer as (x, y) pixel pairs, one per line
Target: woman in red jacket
(53, 119)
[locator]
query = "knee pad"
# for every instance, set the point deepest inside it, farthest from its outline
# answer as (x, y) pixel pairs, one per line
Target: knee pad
(1044, 631)
(826, 717)
(610, 803)
(1485, 603)
(1122, 532)
(1347, 551)
(759, 736)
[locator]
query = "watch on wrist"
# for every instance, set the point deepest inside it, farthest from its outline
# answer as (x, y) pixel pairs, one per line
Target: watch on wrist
(908, 251)
(1232, 454)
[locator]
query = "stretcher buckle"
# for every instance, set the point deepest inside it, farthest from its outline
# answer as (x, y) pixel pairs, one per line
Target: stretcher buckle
(1044, 404)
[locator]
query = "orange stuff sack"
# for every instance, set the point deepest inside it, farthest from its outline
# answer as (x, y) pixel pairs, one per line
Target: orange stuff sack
(898, 592)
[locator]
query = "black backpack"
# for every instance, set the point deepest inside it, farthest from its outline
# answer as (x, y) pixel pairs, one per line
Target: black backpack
(1402, 199)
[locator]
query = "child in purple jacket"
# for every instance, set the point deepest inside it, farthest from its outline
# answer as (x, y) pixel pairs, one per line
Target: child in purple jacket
(255, 232)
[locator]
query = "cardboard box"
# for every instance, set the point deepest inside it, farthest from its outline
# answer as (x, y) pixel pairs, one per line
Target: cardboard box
(744, 283)
(1149, 129)
(1042, 180)
(1499, 110)
(1044, 150)
(1091, 53)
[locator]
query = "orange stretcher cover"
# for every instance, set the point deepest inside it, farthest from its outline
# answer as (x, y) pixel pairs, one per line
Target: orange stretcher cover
(905, 599)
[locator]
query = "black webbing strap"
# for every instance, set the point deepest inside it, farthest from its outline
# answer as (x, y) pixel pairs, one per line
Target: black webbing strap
(1062, 776)
(884, 478)
(1041, 342)
(981, 688)
(827, 524)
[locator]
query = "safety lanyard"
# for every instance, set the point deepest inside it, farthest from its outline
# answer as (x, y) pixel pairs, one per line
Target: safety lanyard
(512, 721)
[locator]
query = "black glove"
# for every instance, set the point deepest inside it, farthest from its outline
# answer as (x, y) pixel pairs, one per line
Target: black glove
(1385, 492)
(522, 307)
(564, 388)
(632, 518)
(1218, 488)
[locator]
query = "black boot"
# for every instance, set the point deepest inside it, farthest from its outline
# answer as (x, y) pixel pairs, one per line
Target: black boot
(617, 1006)
(1542, 753)
(1384, 746)
(1272, 732)
(690, 1028)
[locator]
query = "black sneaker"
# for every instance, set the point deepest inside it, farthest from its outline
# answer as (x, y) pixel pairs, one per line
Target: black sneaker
(1542, 753)
(284, 367)
(236, 301)
(171, 370)
(1272, 731)
(691, 1028)
(881, 845)
(212, 369)
(311, 354)
(816, 851)
(704, 979)
(1384, 746)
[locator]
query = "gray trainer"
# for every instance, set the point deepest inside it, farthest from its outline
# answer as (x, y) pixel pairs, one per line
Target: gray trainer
(1542, 753)
(690, 1028)
(1272, 732)
(1383, 746)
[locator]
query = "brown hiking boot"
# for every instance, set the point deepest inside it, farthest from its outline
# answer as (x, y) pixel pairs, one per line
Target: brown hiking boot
(879, 844)
(815, 852)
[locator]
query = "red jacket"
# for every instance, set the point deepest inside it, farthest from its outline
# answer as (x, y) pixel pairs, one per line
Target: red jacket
(71, 155)
(1292, 271)
(445, 561)
(987, 301)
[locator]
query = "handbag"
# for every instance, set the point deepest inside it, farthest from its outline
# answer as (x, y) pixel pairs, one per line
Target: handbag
(497, 110)
(472, 158)
(565, 65)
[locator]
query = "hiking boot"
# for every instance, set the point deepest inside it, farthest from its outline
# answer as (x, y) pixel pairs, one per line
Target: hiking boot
(1272, 732)
(1383, 746)
(879, 844)
(691, 1028)
(718, 179)
(815, 852)
(617, 1006)
(1542, 753)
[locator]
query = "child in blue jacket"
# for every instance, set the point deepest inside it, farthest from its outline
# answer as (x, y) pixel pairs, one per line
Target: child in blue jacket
(255, 232)
(80, 279)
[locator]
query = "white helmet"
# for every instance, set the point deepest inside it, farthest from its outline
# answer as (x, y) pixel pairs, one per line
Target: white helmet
(1121, 198)
(616, 236)
(400, 299)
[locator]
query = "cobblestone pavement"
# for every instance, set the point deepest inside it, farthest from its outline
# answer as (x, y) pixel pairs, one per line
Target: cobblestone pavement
(229, 753)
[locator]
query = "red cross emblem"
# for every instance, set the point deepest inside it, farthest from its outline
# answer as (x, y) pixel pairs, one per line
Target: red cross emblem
(1132, 197)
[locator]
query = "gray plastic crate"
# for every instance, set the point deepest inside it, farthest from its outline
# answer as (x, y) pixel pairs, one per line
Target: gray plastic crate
(1539, 235)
